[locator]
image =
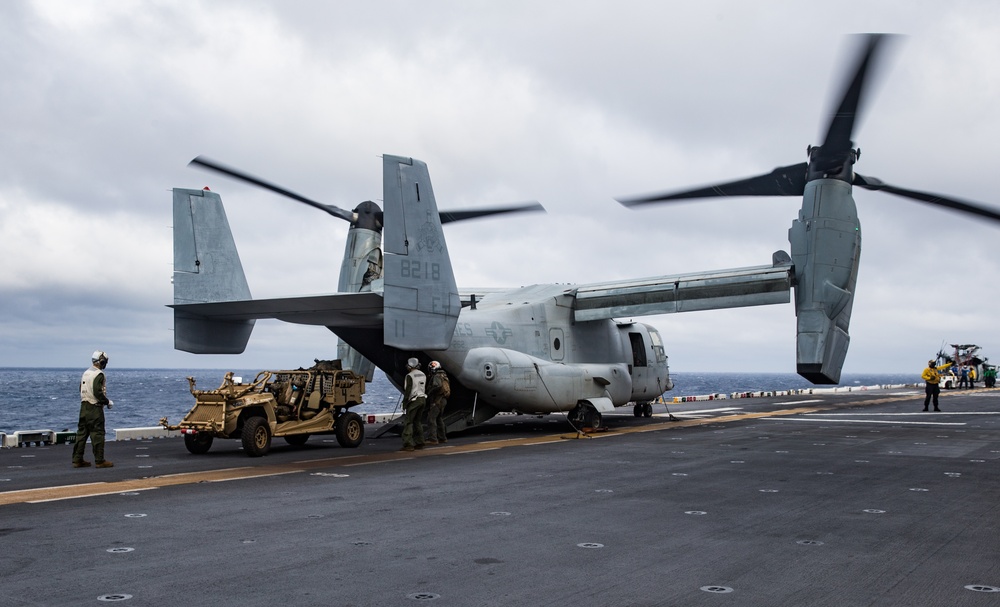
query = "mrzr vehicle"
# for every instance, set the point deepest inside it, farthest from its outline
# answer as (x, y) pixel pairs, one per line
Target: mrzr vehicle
(289, 404)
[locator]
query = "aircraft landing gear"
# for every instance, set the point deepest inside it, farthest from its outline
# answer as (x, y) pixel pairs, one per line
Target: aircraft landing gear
(584, 415)
(643, 410)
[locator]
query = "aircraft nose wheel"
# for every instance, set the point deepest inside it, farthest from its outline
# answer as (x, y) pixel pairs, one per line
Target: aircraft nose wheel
(643, 410)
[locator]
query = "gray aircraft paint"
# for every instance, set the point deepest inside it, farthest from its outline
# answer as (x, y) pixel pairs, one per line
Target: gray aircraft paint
(534, 349)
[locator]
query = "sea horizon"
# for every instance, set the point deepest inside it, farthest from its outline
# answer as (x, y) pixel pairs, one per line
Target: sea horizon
(48, 397)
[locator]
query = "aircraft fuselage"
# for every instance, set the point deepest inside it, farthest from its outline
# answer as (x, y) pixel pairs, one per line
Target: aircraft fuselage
(521, 351)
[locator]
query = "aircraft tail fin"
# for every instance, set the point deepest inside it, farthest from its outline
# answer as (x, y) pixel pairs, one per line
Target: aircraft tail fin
(207, 269)
(421, 295)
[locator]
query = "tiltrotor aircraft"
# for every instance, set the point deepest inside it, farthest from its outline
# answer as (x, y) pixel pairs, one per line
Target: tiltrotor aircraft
(540, 348)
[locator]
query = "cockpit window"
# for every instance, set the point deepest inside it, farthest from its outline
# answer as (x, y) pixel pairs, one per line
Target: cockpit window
(654, 337)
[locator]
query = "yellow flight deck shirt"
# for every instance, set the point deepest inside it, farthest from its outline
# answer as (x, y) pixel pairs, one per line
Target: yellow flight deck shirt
(931, 375)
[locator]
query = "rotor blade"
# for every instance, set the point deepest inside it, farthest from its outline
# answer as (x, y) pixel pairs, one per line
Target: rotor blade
(225, 170)
(782, 181)
(873, 183)
(463, 214)
(837, 141)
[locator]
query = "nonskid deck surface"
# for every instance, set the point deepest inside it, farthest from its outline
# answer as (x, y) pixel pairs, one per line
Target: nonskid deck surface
(845, 499)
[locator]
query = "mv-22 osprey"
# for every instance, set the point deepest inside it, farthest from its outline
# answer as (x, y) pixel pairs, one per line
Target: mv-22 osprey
(541, 348)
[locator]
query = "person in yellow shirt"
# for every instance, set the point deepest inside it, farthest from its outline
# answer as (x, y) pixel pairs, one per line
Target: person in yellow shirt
(932, 377)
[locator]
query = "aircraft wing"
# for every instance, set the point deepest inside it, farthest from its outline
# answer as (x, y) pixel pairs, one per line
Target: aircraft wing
(734, 288)
(355, 310)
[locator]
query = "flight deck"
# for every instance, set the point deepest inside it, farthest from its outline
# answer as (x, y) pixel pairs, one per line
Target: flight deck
(821, 499)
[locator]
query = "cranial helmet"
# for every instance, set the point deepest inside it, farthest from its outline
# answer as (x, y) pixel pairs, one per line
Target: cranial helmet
(434, 365)
(413, 364)
(98, 355)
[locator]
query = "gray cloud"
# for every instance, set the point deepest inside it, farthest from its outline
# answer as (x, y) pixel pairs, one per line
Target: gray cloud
(104, 105)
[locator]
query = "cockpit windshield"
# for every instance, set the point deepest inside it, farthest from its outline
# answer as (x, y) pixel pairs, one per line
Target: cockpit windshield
(657, 343)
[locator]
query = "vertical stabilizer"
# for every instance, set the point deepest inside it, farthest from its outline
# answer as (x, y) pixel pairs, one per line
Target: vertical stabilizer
(207, 269)
(421, 296)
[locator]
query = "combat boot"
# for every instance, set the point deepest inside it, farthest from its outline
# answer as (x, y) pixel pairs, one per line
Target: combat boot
(104, 464)
(82, 464)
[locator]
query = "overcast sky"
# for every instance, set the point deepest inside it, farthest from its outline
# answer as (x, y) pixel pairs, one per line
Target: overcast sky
(571, 104)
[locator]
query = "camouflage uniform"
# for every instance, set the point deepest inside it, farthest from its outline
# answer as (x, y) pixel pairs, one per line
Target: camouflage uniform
(414, 402)
(437, 399)
(93, 399)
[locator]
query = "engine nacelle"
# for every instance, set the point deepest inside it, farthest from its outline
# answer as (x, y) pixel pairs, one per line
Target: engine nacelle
(826, 250)
(513, 381)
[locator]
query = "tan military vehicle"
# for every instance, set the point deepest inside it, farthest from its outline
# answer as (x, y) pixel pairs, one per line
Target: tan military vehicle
(291, 404)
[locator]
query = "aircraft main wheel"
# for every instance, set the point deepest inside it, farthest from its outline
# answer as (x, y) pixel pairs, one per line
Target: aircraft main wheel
(296, 440)
(594, 419)
(647, 410)
(637, 410)
(199, 443)
(350, 430)
(256, 437)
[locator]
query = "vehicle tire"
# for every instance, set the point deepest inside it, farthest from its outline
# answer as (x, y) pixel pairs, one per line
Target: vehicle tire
(199, 443)
(256, 437)
(350, 430)
(637, 410)
(647, 410)
(296, 440)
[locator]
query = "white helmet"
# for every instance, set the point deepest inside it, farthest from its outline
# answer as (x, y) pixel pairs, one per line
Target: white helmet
(434, 366)
(98, 356)
(413, 364)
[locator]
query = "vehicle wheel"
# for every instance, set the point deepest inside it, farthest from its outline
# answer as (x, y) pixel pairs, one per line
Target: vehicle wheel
(296, 440)
(256, 437)
(198, 443)
(637, 410)
(350, 430)
(647, 410)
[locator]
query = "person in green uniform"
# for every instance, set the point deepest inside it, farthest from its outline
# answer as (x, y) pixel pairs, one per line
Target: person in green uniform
(93, 399)
(414, 402)
(437, 399)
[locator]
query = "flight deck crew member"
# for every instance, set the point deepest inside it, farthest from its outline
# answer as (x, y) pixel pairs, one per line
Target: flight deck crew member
(437, 399)
(932, 376)
(93, 399)
(963, 381)
(414, 402)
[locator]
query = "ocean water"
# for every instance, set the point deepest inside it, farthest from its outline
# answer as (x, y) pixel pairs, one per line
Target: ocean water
(49, 399)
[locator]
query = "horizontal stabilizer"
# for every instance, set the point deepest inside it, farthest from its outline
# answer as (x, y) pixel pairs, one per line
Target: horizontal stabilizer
(338, 310)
